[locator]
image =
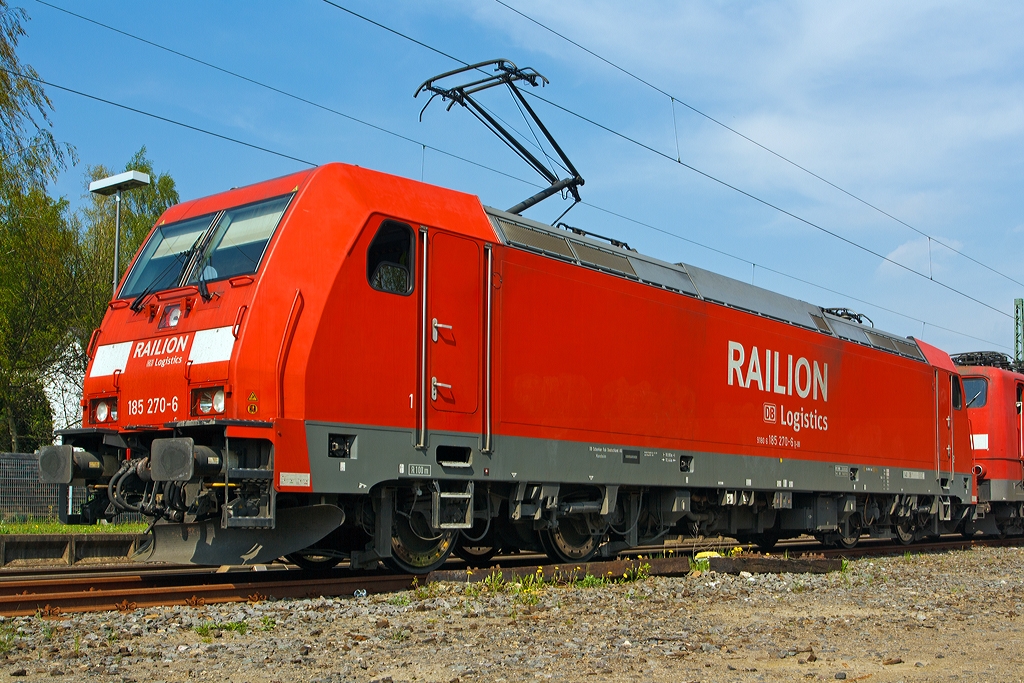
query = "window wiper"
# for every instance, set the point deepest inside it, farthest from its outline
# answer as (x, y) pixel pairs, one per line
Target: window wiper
(197, 253)
(974, 398)
(192, 254)
(140, 301)
(204, 291)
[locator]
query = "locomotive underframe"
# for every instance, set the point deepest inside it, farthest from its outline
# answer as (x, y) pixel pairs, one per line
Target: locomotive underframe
(379, 498)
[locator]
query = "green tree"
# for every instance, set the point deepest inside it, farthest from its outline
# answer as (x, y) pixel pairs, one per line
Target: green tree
(140, 209)
(33, 418)
(38, 242)
(29, 154)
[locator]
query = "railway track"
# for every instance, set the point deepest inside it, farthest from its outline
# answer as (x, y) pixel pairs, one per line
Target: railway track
(52, 594)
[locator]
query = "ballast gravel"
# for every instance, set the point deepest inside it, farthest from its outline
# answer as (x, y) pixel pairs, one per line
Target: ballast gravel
(919, 617)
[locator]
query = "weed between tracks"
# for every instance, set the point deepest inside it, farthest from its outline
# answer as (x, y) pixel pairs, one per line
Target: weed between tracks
(6, 638)
(527, 589)
(210, 629)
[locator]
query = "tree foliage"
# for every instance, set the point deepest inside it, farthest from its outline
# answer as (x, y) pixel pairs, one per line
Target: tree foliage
(33, 418)
(38, 241)
(38, 279)
(30, 154)
(55, 266)
(140, 208)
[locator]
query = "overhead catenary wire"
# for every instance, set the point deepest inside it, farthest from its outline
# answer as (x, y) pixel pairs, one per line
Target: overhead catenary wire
(674, 99)
(647, 147)
(795, 278)
(765, 202)
(281, 92)
(197, 129)
(468, 161)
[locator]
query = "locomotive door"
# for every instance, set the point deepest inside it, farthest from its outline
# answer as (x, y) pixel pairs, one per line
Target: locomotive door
(1020, 428)
(453, 329)
(946, 393)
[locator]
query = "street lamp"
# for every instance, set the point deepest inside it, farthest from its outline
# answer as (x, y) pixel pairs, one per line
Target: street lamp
(113, 185)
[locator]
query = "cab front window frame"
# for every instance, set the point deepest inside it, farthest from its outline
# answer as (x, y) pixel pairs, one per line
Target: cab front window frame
(207, 248)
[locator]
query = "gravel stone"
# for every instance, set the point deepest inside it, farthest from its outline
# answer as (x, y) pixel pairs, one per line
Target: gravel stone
(880, 620)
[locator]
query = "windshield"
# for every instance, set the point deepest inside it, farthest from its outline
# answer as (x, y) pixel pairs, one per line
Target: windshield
(976, 389)
(240, 237)
(160, 263)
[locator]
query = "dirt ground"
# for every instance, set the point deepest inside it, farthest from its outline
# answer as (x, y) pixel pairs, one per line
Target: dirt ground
(938, 617)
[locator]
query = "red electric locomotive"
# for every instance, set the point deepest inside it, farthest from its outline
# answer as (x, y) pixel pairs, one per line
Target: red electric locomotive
(346, 364)
(993, 386)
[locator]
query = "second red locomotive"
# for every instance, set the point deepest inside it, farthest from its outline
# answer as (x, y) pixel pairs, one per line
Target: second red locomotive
(993, 387)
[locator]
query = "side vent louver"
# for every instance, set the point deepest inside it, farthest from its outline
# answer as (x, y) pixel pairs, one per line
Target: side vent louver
(879, 341)
(908, 349)
(821, 323)
(533, 239)
(602, 259)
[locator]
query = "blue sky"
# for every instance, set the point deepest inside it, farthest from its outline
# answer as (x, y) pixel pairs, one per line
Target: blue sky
(917, 108)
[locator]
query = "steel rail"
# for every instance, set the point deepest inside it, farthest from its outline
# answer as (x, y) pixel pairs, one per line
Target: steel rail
(54, 597)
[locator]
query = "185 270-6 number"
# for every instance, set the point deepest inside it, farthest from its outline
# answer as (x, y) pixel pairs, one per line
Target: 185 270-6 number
(149, 406)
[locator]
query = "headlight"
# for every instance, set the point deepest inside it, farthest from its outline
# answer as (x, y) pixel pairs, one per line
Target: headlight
(208, 401)
(170, 317)
(104, 410)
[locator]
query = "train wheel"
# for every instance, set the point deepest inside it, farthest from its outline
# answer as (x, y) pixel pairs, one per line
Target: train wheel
(475, 555)
(484, 546)
(904, 530)
(416, 549)
(570, 541)
(849, 542)
(310, 558)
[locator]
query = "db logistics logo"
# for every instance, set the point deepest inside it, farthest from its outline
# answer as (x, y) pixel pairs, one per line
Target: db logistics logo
(770, 413)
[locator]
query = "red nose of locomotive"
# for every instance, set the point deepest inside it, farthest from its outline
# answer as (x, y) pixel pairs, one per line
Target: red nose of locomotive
(158, 396)
(173, 368)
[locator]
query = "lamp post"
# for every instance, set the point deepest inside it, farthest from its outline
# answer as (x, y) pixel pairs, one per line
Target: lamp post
(113, 185)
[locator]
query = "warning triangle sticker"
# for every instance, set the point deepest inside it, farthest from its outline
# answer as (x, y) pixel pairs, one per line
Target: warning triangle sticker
(252, 396)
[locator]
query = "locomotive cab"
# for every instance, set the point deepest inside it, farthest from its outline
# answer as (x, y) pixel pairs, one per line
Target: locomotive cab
(251, 320)
(160, 397)
(993, 389)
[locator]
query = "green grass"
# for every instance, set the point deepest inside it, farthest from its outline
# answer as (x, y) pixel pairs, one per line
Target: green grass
(240, 627)
(702, 565)
(48, 527)
(591, 581)
(6, 638)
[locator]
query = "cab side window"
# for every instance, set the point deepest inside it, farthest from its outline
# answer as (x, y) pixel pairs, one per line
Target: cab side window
(957, 392)
(389, 260)
(976, 391)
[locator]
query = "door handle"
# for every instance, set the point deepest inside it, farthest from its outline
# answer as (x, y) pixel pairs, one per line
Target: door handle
(434, 384)
(435, 326)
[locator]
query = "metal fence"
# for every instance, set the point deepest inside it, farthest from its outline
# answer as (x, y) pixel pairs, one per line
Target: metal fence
(22, 497)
